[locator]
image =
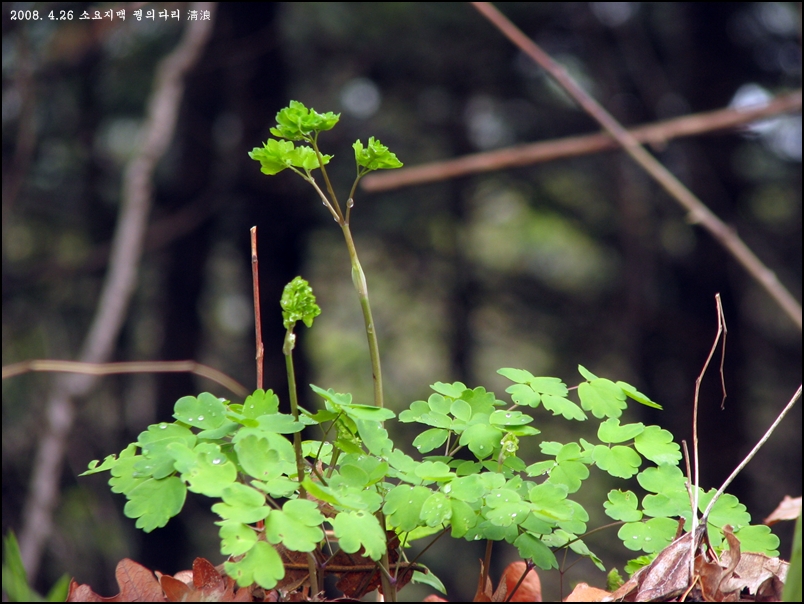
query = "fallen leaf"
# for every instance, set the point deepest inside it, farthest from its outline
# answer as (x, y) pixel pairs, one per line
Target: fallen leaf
(788, 509)
(137, 584)
(584, 593)
(530, 590)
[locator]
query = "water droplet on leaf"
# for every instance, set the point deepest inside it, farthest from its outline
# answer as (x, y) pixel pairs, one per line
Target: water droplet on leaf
(217, 461)
(200, 418)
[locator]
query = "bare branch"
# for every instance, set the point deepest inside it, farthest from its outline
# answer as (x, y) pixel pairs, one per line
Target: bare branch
(657, 135)
(698, 213)
(48, 365)
(255, 278)
(117, 289)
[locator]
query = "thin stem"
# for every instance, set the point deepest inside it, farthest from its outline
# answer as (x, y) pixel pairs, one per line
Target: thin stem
(484, 576)
(255, 279)
(359, 280)
(290, 339)
(750, 456)
(314, 143)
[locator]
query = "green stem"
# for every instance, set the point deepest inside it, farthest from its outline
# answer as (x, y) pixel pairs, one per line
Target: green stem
(359, 280)
(290, 342)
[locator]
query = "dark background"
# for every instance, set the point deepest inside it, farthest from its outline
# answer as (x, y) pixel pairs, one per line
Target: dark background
(574, 261)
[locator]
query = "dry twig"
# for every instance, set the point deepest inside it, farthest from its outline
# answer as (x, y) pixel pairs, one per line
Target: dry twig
(698, 213)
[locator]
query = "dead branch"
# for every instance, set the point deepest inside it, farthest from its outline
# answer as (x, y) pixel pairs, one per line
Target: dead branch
(698, 213)
(48, 365)
(117, 289)
(657, 135)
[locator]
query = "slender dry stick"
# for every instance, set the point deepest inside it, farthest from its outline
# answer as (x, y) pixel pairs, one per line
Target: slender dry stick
(698, 212)
(118, 286)
(753, 452)
(721, 327)
(255, 280)
(47, 365)
(656, 134)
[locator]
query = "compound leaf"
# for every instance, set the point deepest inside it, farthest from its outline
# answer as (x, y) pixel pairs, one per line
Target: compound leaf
(154, 502)
(262, 564)
(359, 529)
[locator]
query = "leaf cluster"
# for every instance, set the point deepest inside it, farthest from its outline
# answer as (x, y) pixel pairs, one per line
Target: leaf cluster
(241, 456)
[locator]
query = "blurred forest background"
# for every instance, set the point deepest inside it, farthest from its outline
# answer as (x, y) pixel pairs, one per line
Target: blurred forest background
(582, 260)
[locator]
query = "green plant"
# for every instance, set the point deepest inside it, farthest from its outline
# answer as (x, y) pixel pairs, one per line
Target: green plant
(375, 497)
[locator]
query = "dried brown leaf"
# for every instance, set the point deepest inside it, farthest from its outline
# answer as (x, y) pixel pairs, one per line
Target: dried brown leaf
(530, 590)
(788, 509)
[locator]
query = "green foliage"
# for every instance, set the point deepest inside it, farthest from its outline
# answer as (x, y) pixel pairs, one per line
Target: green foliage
(298, 303)
(357, 480)
(15, 581)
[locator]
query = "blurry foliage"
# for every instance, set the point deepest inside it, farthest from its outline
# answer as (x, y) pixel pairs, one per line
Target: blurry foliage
(534, 267)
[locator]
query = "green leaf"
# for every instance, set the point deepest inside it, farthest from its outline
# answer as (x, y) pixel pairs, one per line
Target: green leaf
(403, 506)
(619, 461)
(454, 390)
(157, 462)
(539, 468)
(727, 510)
(375, 156)
(261, 402)
(569, 473)
(367, 412)
(261, 564)
(481, 439)
(623, 506)
(602, 397)
(550, 502)
(436, 510)
(430, 439)
(433, 470)
(509, 418)
(110, 461)
(374, 436)
(207, 470)
(562, 406)
(205, 412)
(588, 375)
(428, 579)
(296, 122)
(650, 536)
(657, 445)
(466, 488)
(241, 503)
(636, 395)
(549, 385)
(611, 431)
(463, 517)
(759, 539)
(461, 410)
(264, 455)
(280, 423)
(531, 548)
(236, 538)
(508, 514)
(274, 156)
(523, 394)
(298, 302)
(124, 478)
(359, 529)
(154, 502)
(482, 402)
(297, 526)
(520, 376)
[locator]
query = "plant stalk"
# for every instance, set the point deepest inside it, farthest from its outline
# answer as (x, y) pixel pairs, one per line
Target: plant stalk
(290, 341)
(359, 280)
